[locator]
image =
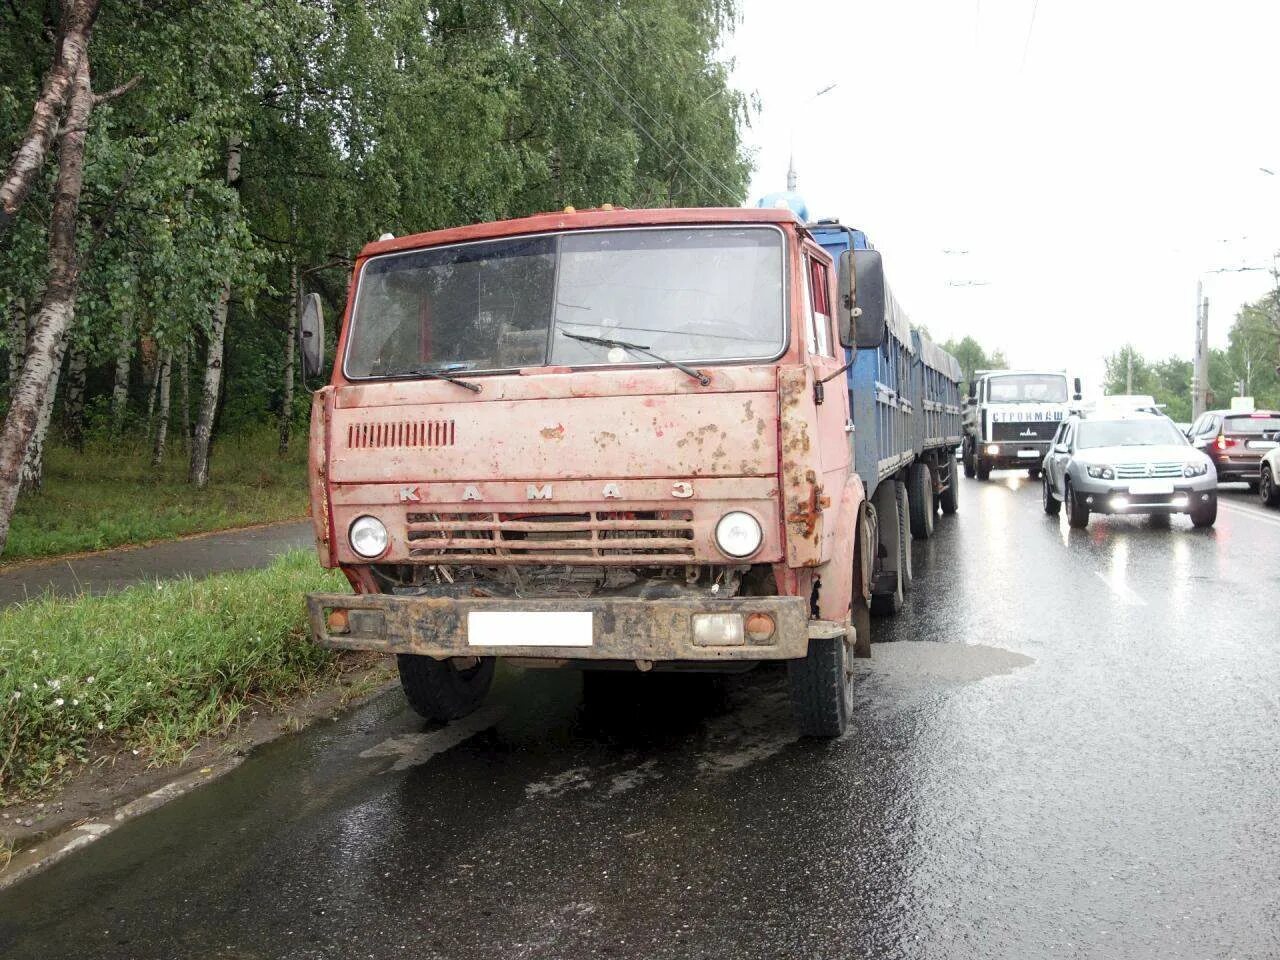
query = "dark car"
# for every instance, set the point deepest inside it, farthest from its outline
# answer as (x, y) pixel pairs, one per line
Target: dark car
(1236, 441)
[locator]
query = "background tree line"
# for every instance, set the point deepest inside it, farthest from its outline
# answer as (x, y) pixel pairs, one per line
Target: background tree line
(182, 172)
(1248, 364)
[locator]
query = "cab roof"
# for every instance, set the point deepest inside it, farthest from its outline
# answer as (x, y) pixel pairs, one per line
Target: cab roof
(585, 220)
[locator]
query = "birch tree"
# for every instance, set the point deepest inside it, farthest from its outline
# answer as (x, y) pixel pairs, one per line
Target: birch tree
(57, 310)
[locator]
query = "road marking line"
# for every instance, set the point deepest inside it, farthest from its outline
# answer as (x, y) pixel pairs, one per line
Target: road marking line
(1242, 511)
(1121, 589)
(413, 749)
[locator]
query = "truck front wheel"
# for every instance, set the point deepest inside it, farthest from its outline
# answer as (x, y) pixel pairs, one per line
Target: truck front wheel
(968, 454)
(441, 690)
(822, 686)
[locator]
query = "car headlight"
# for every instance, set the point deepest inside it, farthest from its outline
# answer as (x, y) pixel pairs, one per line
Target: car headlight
(368, 537)
(738, 534)
(1195, 469)
(1101, 472)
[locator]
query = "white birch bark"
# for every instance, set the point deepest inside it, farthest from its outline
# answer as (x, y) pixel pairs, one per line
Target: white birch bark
(162, 423)
(198, 469)
(120, 385)
(57, 309)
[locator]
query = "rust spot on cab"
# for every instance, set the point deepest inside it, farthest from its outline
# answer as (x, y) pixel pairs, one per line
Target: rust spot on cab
(553, 433)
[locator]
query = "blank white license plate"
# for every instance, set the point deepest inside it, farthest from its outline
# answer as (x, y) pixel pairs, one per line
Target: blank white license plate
(1028, 454)
(545, 628)
(1262, 444)
(1150, 486)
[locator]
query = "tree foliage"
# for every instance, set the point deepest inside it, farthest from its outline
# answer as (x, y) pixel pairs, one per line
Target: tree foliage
(973, 356)
(355, 119)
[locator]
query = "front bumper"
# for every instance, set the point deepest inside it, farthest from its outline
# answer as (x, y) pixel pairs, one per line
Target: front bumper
(1013, 455)
(653, 630)
(1121, 496)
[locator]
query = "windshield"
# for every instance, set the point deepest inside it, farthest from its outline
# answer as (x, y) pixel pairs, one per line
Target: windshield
(1253, 424)
(688, 294)
(1027, 388)
(1127, 433)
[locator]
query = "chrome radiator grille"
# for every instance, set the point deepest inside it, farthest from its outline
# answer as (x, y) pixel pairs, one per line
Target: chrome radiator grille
(599, 537)
(1140, 471)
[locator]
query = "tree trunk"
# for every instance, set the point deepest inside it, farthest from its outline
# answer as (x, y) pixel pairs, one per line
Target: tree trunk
(70, 50)
(18, 334)
(184, 385)
(153, 385)
(198, 469)
(120, 387)
(162, 424)
(77, 367)
(32, 476)
(57, 309)
(291, 335)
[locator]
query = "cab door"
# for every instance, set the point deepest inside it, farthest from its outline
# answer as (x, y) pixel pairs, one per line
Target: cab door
(831, 399)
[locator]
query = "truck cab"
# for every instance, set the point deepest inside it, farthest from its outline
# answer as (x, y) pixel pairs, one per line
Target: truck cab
(1011, 416)
(601, 440)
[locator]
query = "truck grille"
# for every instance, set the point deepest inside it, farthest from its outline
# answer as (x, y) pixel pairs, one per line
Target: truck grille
(1028, 430)
(400, 433)
(599, 537)
(1140, 471)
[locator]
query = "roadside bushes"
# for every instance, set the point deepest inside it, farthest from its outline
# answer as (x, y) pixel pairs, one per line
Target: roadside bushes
(152, 668)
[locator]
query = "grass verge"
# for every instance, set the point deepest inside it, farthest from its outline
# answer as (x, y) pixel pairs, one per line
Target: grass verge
(109, 494)
(154, 667)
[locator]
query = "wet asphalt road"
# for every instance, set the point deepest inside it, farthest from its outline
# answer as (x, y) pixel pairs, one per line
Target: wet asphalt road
(1067, 748)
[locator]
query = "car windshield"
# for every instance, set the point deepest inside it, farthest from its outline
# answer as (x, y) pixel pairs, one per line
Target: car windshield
(689, 294)
(1253, 424)
(1127, 433)
(1027, 388)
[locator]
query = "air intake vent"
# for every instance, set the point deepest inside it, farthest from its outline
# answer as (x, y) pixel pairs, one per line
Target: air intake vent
(401, 433)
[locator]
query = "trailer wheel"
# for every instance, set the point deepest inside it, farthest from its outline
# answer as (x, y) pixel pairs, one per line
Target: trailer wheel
(904, 535)
(822, 686)
(920, 500)
(969, 470)
(950, 497)
(441, 691)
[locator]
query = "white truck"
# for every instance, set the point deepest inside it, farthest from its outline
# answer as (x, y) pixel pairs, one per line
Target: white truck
(1010, 417)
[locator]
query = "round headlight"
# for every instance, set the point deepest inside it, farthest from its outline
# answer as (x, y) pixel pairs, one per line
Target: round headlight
(738, 534)
(368, 537)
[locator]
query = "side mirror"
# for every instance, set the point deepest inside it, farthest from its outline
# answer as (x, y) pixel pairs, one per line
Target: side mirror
(311, 335)
(845, 308)
(869, 300)
(1079, 395)
(973, 389)
(1060, 448)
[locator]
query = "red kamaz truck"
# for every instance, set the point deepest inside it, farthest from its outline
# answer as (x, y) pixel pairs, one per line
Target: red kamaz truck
(607, 439)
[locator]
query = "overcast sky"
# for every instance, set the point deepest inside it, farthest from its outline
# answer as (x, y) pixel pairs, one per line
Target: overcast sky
(1086, 166)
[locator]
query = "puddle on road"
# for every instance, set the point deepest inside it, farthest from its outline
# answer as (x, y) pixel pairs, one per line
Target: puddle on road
(920, 667)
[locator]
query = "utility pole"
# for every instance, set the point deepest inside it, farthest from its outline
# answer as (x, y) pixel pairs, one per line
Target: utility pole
(1200, 368)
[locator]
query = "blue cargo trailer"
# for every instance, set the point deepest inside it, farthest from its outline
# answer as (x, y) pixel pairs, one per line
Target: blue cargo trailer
(905, 400)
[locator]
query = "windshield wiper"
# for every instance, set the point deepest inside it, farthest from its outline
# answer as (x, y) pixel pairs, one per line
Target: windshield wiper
(702, 378)
(448, 378)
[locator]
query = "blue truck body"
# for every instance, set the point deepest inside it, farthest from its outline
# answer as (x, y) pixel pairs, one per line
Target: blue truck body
(905, 396)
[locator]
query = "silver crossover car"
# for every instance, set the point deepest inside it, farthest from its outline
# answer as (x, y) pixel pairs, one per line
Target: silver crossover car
(1134, 463)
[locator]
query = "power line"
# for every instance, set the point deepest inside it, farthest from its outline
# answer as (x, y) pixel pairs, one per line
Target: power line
(643, 109)
(1035, 5)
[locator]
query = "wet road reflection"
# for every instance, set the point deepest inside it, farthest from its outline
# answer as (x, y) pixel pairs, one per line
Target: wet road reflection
(1065, 747)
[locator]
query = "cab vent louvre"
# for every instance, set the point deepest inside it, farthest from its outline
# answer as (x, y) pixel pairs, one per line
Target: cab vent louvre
(400, 433)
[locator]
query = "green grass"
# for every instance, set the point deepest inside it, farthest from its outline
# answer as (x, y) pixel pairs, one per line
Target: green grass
(156, 667)
(109, 495)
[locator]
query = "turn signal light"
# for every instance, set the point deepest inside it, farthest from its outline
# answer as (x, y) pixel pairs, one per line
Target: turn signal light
(760, 627)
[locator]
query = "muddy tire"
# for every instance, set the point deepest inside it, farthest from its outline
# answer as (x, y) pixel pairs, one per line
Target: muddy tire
(1077, 509)
(1205, 512)
(437, 690)
(1268, 490)
(920, 500)
(1052, 505)
(822, 687)
(949, 499)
